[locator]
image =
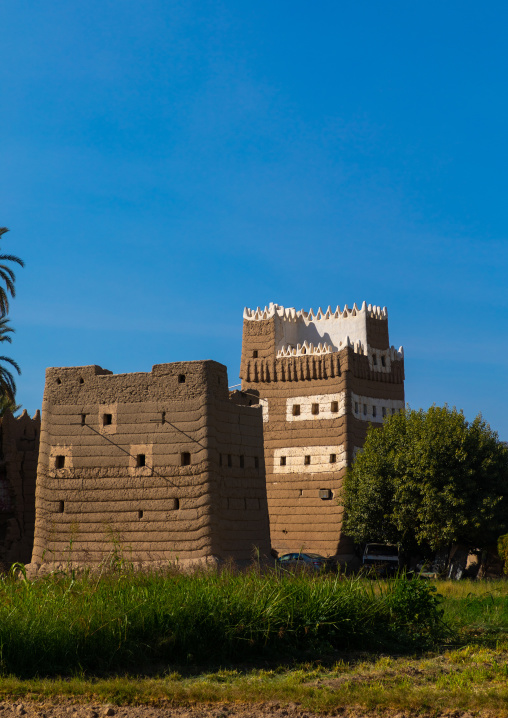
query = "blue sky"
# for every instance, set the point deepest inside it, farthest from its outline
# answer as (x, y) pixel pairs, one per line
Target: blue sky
(165, 164)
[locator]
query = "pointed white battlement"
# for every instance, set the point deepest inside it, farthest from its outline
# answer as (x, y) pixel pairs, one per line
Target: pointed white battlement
(323, 328)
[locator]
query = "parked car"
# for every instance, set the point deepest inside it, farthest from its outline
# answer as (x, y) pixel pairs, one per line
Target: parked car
(382, 558)
(310, 561)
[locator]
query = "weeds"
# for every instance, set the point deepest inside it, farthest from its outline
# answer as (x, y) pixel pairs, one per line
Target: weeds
(124, 621)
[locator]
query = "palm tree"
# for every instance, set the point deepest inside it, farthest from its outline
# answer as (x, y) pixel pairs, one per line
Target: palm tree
(7, 383)
(8, 276)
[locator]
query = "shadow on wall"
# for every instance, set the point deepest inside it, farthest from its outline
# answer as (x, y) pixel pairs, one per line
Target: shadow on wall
(19, 450)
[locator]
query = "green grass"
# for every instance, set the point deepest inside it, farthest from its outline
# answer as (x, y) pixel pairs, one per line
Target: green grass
(136, 621)
(324, 643)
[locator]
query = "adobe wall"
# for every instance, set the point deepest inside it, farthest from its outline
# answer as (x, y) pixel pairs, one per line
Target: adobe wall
(319, 393)
(19, 447)
(133, 460)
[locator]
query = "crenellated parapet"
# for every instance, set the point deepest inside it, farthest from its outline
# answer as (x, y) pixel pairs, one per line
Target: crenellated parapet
(362, 362)
(291, 314)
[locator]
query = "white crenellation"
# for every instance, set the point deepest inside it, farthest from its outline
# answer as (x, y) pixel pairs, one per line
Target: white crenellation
(299, 332)
(320, 463)
(375, 410)
(325, 405)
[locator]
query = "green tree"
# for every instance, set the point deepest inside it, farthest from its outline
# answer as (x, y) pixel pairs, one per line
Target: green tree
(8, 277)
(427, 479)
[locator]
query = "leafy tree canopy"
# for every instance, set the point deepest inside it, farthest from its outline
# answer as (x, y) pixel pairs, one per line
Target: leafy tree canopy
(427, 479)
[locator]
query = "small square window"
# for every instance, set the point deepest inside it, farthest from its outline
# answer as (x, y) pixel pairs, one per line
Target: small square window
(334, 407)
(283, 461)
(59, 462)
(141, 460)
(181, 378)
(107, 419)
(315, 409)
(333, 458)
(185, 458)
(306, 460)
(325, 494)
(296, 409)
(230, 460)
(255, 354)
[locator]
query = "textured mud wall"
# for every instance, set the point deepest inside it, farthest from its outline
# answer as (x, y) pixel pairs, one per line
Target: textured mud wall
(19, 442)
(131, 462)
(317, 408)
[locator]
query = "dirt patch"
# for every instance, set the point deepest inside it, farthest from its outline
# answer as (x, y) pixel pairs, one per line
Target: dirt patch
(68, 709)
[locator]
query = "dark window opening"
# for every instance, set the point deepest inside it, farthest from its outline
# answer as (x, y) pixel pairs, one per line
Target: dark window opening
(296, 409)
(81, 380)
(250, 402)
(356, 407)
(301, 492)
(335, 407)
(185, 458)
(256, 462)
(384, 410)
(230, 460)
(107, 419)
(177, 504)
(141, 460)
(283, 461)
(59, 462)
(325, 494)
(333, 458)
(315, 408)
(365, 409)
(61, 507)
(374, 359)
(163, 417)
(383, 361)
(181, 378)
(58, 381)
(374, 411)
(140, 514)
(255, 354)
(242, 461)
(306, 460)
(393, 411)
(83, 419)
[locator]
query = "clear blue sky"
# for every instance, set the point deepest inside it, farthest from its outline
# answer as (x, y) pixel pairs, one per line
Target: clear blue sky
(164, 164)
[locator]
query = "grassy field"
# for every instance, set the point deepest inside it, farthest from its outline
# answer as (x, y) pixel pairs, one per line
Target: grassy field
(324, 643)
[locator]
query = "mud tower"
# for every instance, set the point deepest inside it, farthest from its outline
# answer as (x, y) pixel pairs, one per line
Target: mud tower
(158, 466)
(321, 379)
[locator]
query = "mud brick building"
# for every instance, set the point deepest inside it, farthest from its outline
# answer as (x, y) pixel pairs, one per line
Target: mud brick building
(19, 448)
(321, 378)
(163, 465)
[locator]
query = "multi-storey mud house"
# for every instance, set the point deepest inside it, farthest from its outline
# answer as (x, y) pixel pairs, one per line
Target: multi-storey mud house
(321, 378)
(160, 465)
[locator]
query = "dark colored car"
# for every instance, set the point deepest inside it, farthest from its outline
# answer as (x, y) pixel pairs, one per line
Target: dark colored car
(383, 559)
(310, 561)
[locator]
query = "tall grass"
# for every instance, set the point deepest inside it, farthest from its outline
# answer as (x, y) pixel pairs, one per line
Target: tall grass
(129, 621)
